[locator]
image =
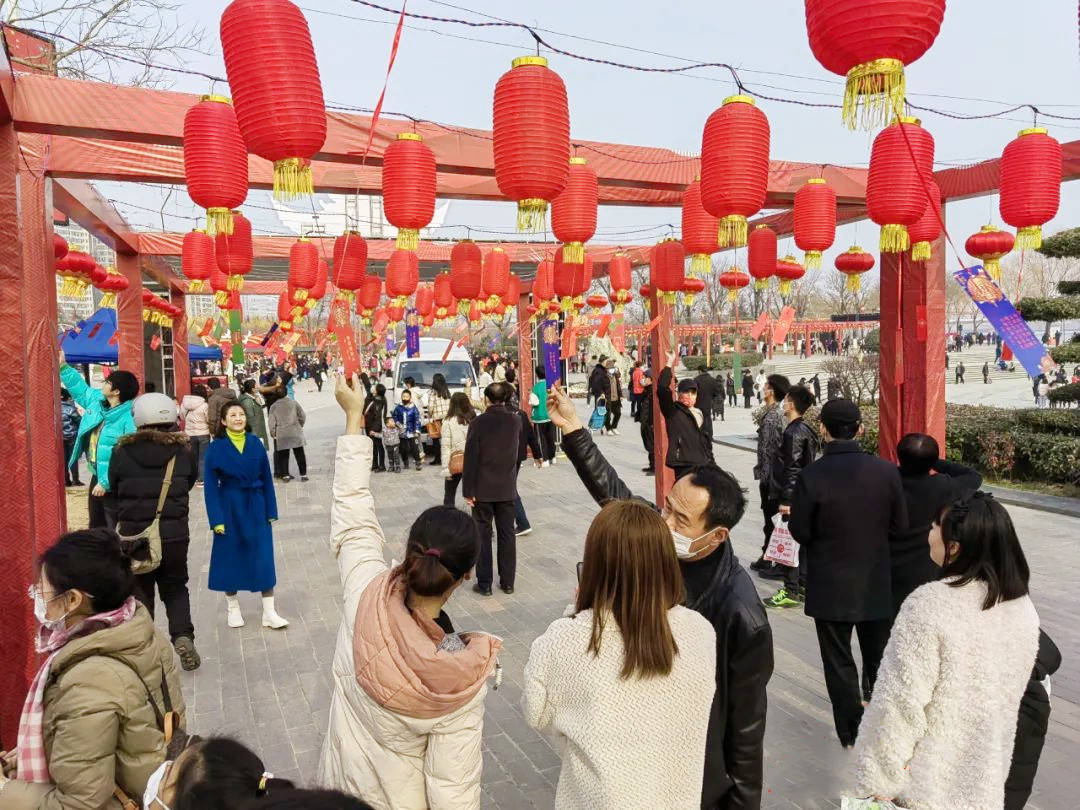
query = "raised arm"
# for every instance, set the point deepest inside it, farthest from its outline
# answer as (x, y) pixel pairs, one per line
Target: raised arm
(664, 397)
(83, 394)
(963, 477)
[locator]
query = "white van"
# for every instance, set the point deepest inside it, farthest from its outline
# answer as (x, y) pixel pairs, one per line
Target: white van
(457, 368)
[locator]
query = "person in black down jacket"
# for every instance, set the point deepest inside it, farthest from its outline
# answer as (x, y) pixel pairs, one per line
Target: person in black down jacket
(846, 512)
(1031, 725)
(924, 496)
(701, 510)
(489, 484)
(709, 393)
(645, 416)
(688, 446)
(137, 472)
(798, 447)
(598, 379)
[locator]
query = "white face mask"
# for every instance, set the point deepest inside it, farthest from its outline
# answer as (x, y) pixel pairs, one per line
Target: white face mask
(683, 543)
(41, 605)
(153, 785)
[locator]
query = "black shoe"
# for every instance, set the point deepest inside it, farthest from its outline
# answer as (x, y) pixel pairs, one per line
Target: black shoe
(506, 588)
(776, 572)
(435, 464)
(483, 590)
(650, 472)
(760, 564)
(647, 469)
(286, 478)
(303, 478)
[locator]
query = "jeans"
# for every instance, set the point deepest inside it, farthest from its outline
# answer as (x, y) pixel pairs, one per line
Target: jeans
(502, 512)
(198, 449)
(378, 455)
(393, 457)
(841, 675)
(281, 461)
(545, 434)
(450, 486)
(171, 578)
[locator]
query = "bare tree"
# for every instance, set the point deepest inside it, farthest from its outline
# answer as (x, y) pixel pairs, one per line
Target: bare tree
(858, 376)
(119, 41)
(836, 297)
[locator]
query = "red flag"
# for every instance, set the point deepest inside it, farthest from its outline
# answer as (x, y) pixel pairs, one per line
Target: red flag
(155, 343)
(605, 322)
(569, 343)
(759, 325)
(655, 322)
(787, 317)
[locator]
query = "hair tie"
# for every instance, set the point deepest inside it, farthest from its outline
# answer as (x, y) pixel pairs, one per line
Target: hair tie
(266, 776)
(432, 552)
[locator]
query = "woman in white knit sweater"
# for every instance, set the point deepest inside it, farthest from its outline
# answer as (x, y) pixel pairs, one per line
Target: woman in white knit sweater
(625, 683)
(938, 734)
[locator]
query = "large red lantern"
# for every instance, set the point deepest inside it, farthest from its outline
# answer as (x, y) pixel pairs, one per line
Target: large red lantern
(699, 229)
(350, 262)
(215, 161)
(531, 134)
(444, 297)
(573, 212)
(495, 275)
(735, 166)
(512, 296)
(74, 268)
(869, 43)
(815, 219)
(1030, 184)
(408, 187)
(928, 227)
(425, 300)
(895, 194)
(402, 276)
(197, 259)
(667, 268)
(466, 272)
(567, 280)
(733, 281)
(621, 276)
(395, 313)
(788, 270)
(234, 251)
(853, 263)
(303, 268)
(761, 255)
(270, 63)
(989, 245)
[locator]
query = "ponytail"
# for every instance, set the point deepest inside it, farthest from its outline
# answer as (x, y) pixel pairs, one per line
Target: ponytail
(443, 545)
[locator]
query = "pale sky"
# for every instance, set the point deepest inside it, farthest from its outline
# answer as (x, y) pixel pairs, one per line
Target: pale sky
(994, 57)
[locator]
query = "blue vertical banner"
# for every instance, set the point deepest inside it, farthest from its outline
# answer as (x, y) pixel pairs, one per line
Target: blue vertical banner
(391, 342)
(550, 346)
(1007, 322)
(412, 333)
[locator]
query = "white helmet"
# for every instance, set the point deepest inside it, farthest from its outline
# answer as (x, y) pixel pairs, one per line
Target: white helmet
(154, 409)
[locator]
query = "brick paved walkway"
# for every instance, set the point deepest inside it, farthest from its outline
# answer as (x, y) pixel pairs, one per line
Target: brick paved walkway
(272, 688)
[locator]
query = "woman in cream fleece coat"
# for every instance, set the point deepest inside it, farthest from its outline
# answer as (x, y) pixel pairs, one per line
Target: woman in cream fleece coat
(938, 734)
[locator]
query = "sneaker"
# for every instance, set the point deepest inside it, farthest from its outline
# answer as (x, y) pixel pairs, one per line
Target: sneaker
(553, 461)
(523, 532)
(760, 564)
(286, 479)
(186, 652)
(546, 464)
(772, 572)
(782, 599)
(198, 483)
(303, 478)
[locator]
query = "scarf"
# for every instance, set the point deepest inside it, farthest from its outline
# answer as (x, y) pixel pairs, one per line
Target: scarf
(32, 763)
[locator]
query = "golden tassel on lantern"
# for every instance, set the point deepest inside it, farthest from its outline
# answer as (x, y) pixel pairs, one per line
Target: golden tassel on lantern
(346, 295)
(73, 286)
(221, 298)
(532, 214)
(732, 294)
(993, 267)
(108, 301)
(732, 231)
(219, 220)
(854, 282)
(700, 265)
(920, 252)
(1029, 237)
(573, 253)
(292, 178)
(236, 282)
(874, 94)
(408, 239)
(761, 284)
(196, 286)
(812, 259)
(894, 239)
(785, 286)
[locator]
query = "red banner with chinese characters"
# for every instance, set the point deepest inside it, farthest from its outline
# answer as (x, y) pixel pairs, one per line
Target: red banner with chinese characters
(760, 325)
(569, 343)
(341, 325)
(783, 324)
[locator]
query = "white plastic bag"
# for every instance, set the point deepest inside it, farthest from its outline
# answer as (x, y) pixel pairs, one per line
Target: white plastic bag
(782, 548)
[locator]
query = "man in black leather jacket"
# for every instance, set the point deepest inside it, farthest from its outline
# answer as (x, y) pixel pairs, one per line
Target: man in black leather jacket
(688, 446)
(704, 504)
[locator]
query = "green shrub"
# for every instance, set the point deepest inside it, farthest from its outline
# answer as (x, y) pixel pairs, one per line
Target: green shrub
(1060, 421)
(1069, 287)
(723, 361)
(1049, 310)
(872, 342)
(1066, 393)
(1062, 244)
(1044, 457)
(1066, 352)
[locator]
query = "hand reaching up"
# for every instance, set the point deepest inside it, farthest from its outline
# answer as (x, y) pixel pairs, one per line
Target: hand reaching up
(562, 411)
(350, 396)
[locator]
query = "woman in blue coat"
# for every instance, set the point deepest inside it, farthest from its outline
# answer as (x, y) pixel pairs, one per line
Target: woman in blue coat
(241, 505)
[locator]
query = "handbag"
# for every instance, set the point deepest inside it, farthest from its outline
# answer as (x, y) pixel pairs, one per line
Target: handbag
(456, 464)
(434, 428)
(144, 548)
(783, 548)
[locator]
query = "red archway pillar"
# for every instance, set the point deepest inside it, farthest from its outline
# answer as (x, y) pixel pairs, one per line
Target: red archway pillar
(525, 349)
(181, 363)
(660, 344)
(129, 318)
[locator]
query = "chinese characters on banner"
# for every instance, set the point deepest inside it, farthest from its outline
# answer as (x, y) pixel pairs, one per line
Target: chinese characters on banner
(783, 324)
(549, 350)
(1007, 322)
(412, 333)
(341, 326)
(759, 325)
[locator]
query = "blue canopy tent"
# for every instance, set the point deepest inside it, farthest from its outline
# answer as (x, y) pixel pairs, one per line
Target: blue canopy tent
(92, 341)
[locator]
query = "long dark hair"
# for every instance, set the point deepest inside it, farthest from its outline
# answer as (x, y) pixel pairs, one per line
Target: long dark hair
(461, 408)
(90, 561)
(989, 552)
(443, 545)
(439, 387)
(219, 773)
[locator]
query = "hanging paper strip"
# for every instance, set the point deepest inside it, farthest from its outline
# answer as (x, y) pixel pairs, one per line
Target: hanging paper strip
(549, 342)
(341, 326)
(783, 324)
(412, 333)
(759, 326)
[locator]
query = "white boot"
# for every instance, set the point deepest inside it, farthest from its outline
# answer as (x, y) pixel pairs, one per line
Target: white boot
(270, 616)
(236, 618)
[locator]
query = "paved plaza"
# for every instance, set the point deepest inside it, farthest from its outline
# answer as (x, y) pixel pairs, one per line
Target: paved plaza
(272, 689)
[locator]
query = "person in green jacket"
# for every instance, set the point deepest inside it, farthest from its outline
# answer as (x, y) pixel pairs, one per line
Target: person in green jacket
(106, 417)
(545, 430)
(254, 410)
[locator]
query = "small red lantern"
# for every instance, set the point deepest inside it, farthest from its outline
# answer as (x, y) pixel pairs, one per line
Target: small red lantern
(645, 291)
(466, 273)
(543, 288)
(989, 245)
(425, 300)
(368, 295)
(1030, 184)
(573, 212)
(733, 281)
(815, 220)
(402, 276)
(113, 285)
(303, 268)
(512, 296)
(316, 292)
(215, 161)
(853, 263)
(666, 268)
(429, 320)
(735, 166)
(870, 43)
(219, 283)
(75, 269)
(620, 274)
(60, 246)
(788, 270)
(234, 251)
(895, 195)
(197, 259)
(597, 302)
(443, 297)
(98, 275)
(408, 187)
(284, 312)
(395, 313)
(350, 262)
(531, 138)
(692, 287)
(570, 280)
(699, 229)
(270, 63)
(495, 275)
(475, 314)
(761, 255)
(928, 227)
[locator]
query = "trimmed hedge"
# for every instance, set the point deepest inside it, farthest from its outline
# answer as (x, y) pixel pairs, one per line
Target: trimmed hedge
(723, 361)
(1049, 310)
(1063, 244)
(1065, 393)
(1069, 287)
(1066, 352)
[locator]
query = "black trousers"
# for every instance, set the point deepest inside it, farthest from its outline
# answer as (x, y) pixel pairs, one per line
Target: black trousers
(647, 440)
(746, 400)
(436, 452)
(378, 455)
(281, 461)
(450, 486)
(841, 674)
(614, 413)
(171, 578)
(769, 507)
(732, 399)
(502, 512)
(71, 474)
(545, 434)
(410, 449)
(102, 510)
(1031, 729)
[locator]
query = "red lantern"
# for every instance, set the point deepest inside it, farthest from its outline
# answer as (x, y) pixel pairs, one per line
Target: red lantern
(733, 281)
(316, 292)
(620, 274)
(429, 320)
(466, 272)
(573, 212)
(853, 263)
(60, 246)
(928, 227)
(443, 297)
(989, 245)
(666, 268)
(870, 43)
(474, 312)
(761, 255)
(284, 312)
(75, 269)
(543, 288)
(303, 268)
(270, 63)
(197, 259)
(895, 195)
(425, 300)
(215, 161)
(735, 166)
(98, 274)
(531, 138)
(495, 275)
(1030, 184)
(788, 270)
(699, 229)
(815, 219)
(692, 286)
(350, 262)
(368, 295)
(114, 284)
(234, 251)
(645, 292)
(219, 283)
(402, 276)
(512, 296)
(597, 302)
(395, 313)
(408, 187)
(567, 280)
